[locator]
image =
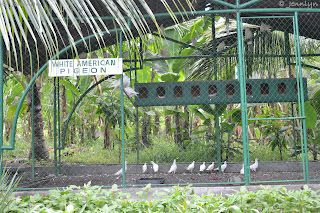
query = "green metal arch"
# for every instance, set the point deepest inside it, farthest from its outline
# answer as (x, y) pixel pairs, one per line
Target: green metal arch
(78, 102)
(41, 70)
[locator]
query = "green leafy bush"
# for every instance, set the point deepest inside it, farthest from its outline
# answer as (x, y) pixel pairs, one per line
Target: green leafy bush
(178, 199)
(8, 183)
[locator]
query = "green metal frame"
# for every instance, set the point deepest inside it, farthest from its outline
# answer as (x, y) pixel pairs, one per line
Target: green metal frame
(235, 8)
(302, 113)
(221, 97)
(1, 101)
(33, 66)
(301, 87)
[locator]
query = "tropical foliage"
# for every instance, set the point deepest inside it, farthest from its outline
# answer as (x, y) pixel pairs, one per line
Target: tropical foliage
(96, 199)
(97, 115)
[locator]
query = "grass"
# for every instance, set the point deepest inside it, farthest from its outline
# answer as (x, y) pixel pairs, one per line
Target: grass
(265, 153)
(162, 150)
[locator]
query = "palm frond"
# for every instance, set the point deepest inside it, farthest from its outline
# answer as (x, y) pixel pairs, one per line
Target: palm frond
(42, 22)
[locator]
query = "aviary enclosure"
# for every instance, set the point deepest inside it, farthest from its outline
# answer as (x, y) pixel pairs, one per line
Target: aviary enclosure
(234, 81)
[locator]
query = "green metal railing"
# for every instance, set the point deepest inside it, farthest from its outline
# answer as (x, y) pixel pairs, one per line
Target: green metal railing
(302, 112)
(1, 100)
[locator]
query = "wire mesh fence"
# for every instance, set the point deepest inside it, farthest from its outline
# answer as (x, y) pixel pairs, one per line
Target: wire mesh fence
(182, 104)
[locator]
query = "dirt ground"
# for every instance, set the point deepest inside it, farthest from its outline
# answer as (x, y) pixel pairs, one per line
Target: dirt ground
(181, 178)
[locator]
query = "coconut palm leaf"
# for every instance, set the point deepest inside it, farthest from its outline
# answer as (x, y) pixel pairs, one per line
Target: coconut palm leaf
(266, 43)
(48, 24)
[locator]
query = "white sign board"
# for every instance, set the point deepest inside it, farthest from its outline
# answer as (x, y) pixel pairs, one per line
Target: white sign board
(81, 67)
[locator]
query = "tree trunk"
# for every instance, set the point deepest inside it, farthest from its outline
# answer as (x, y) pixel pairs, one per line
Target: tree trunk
(40, 146)
(168, 124)
(64, 109)
(185, 125)
(106, 140)
(280, 149)
(156, 129)
(25, 127)
(81, 130)
(49, 127)
(72, 134)
(145, 129)
(178, 129)
(93, 131)
(8, 129)
(315, 154)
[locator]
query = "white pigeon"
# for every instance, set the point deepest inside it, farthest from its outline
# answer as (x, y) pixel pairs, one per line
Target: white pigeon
(117, 83)
(94, 55)
(155, 166)
(203, 167)
(130, 92)
(162, 29)
(248, 35)
(221, 46)
(210, 167)
(194, 41)
(144, 168)
(191, 167)
(264, 27)
(120, 171)
(106, 55)
(173, 167)
(208, 7)
(125, 54)
(223, 167)
(242, 170)
(83, 55)
(254, 166)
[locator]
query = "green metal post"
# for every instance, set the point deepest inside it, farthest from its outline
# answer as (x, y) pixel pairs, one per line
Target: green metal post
(55, 125)
(122, 122)
(288, 52)
(297, 43)
(59, 125)
(137, 108)
(243, 97)
(1, 101)
(299, 71)
(216, 117)
(32, 114)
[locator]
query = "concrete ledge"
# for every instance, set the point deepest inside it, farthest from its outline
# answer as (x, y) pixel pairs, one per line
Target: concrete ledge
(198, 190)
(164, 168)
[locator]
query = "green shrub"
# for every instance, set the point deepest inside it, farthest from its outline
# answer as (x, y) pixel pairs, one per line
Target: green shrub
(8, 183)
(164, 150)
(178, 199)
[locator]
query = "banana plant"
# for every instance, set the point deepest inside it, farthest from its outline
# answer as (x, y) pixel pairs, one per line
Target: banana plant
(110, 107)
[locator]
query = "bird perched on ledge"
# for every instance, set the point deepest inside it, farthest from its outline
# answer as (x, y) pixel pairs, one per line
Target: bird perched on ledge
(191, 167)
(242, 170)
(210, 167)
(254, 166)
(223, 167)
(144, 168)
(117, 83)
(203, 167)
(130, 92)
(173, 167)
(120, 171)
(155, 167)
